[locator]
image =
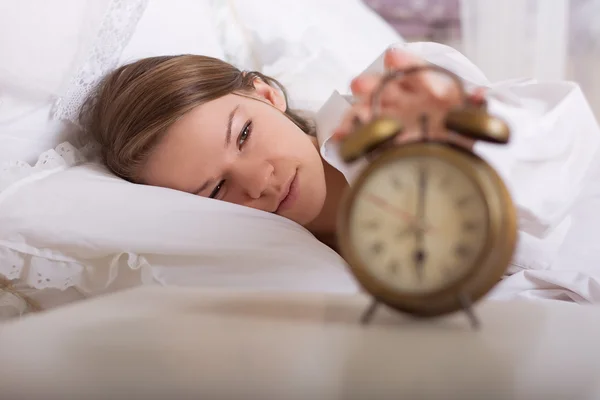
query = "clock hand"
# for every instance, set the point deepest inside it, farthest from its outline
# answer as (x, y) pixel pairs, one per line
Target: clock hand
(422, 192)
(391, 208)
(419, 259)
(420, 254)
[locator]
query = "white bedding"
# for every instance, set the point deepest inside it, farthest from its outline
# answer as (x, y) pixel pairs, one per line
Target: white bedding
(575, 273)
(67, 232)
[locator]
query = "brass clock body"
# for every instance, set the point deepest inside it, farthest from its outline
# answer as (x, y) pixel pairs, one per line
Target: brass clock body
(426, 225)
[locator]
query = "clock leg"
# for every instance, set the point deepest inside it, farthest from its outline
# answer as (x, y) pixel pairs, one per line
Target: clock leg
(368, 314)
(467, 306)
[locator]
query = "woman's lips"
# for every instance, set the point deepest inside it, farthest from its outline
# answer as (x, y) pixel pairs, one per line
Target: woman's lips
(291, 195)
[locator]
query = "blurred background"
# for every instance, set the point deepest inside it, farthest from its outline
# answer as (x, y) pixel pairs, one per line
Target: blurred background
(543, 39)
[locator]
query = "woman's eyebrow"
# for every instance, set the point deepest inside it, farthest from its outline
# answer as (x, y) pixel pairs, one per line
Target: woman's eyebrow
(227, 143)
(229, 123)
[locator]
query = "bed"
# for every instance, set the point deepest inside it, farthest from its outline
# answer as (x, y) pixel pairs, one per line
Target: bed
(185, 302)
(69, 230)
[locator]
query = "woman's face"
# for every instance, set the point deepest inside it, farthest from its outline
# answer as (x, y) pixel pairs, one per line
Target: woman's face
(244, 151)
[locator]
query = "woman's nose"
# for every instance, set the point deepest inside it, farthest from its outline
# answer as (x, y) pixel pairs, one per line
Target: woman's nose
(253, 177)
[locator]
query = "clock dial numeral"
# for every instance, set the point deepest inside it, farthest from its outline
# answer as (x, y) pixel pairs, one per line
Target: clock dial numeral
(463, 201)
(394, 266)
(377, 247)
(396, 182)
(462, 251)
(371, 225)
(470, 226)
(419, 259)
(419, 256)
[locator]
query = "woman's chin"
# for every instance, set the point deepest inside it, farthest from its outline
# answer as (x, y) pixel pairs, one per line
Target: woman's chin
(302, 217)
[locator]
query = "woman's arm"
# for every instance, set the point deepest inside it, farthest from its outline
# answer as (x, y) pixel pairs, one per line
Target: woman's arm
(554, 140)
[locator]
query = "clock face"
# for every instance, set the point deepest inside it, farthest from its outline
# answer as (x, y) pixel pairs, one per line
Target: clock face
(418, 224)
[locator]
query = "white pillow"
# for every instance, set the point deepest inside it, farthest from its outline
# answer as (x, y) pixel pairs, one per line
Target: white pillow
(57, 54)
(43, 42)
(84, 228)
(173, 27)
(52, 48)
(118, 32)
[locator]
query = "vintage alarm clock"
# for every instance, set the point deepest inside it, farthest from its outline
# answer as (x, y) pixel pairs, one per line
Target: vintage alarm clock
(428, 228)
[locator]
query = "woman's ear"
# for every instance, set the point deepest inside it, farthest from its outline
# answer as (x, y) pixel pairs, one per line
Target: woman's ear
(270, 94)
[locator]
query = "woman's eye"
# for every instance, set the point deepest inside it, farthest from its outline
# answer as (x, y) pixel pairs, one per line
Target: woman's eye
(216, 190)
(245, 134)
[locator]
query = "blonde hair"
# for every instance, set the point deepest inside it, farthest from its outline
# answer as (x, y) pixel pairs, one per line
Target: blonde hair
(133, 106)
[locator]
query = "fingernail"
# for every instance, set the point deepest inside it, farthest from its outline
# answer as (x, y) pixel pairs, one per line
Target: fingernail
(339, 135)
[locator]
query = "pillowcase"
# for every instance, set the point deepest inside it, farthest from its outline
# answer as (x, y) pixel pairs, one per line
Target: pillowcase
(98, 233)
(52, 49)
(112, 32)
(59, 53)
(174, 27)
(47, 42)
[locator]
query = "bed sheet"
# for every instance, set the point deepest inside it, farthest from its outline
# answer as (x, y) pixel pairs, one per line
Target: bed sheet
(574, 275)
(573, 286)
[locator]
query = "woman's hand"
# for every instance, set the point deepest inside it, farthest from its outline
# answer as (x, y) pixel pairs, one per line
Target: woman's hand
(408, 98)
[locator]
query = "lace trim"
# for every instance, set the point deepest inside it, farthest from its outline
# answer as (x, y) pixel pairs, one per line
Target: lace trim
(21, 263)
(116, 29)
(16, 173)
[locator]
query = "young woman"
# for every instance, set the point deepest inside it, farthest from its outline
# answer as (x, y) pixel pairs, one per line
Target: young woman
(200, 125)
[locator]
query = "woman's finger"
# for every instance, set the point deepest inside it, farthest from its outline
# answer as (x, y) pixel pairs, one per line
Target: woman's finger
(438, 84)
(365, 84)
(394, 59)
(397, 58)
(477, 97)
(358, 115)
